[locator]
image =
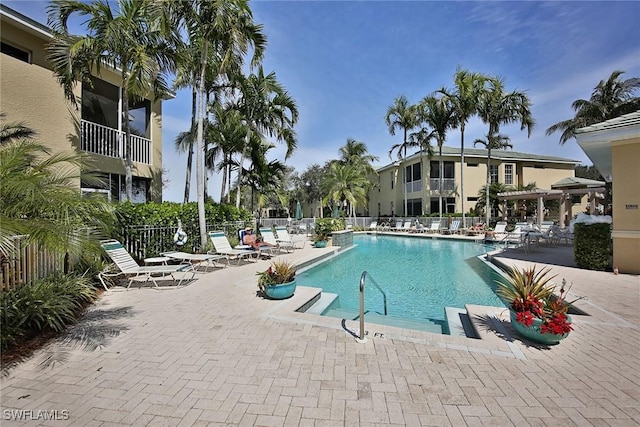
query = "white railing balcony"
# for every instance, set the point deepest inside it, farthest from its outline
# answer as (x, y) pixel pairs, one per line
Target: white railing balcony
(106, 141)
(448, 184)
(413, 186)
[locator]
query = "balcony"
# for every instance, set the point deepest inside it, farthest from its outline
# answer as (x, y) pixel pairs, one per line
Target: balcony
(448, 184)
(414, 186)
(106, 141)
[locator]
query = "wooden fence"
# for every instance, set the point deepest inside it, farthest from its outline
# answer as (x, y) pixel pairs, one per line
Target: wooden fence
(26, 263)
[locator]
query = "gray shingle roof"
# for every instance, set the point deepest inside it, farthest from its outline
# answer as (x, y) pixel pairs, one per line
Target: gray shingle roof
(504, 155)
(622, 121)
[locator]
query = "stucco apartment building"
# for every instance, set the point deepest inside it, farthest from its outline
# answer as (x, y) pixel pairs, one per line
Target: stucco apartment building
(30, 93)
(614, 148)
(507, 167)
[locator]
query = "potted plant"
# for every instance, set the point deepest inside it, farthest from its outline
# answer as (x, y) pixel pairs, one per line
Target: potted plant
(278, 281)
(323, 227)
(537, 312)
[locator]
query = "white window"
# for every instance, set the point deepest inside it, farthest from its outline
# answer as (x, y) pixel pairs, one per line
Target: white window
(493, 171)
(508, 174)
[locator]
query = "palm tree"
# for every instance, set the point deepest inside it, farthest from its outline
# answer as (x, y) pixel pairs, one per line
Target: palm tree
(355, 153)
(494, 201)
(223, 29)
(267, 110)
(129, 40)
(345, 182)
(495, 142)
(38, 199)
(401, 115)
(609, 99)
(495, 108)
(464, 100)
(438, 114)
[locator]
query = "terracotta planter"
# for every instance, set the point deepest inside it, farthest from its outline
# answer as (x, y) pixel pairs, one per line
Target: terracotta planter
(532, 333)
(282, 291)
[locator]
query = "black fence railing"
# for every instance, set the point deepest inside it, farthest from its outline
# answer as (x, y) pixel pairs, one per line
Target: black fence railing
(145, 241)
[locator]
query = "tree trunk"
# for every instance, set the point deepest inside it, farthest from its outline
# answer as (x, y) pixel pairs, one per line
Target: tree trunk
(202, 222)
(128, 174)
(462, 174)
(187, 182)
(244, 149)
(440, 179)
(488, 185)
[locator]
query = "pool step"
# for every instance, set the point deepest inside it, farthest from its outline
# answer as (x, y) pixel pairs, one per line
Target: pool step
(459, 323)
(434, 326)
(325, 300)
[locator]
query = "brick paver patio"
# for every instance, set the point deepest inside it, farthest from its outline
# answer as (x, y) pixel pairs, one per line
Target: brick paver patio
(214, 353)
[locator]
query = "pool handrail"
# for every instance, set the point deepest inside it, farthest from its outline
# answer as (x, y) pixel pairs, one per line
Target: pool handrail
(384, 298)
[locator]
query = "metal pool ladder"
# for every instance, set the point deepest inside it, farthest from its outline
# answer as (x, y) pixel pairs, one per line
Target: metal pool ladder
(384, 297)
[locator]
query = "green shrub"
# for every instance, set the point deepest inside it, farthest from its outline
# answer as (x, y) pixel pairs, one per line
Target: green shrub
(50, 303)
(325, 226)
(592, 247)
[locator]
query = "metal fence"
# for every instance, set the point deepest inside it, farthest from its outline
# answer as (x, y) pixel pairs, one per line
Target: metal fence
(145, 241)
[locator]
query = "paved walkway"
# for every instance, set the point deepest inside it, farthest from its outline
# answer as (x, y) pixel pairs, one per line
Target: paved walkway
(214, 353)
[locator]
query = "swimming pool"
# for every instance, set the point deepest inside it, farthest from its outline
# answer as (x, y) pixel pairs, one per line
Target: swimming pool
(421, 276)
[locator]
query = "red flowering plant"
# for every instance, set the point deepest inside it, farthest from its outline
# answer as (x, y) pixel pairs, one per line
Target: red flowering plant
(532, 296)
(279, 272)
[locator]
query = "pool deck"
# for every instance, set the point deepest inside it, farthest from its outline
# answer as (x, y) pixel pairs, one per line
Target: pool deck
(215, 353)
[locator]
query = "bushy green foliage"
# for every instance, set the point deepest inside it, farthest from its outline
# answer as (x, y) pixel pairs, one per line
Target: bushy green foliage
(592, 246)
(326, 226)
(167, 214)
(50, 303)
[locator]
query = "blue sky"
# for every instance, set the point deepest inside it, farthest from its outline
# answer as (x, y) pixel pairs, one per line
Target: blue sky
(345, 62)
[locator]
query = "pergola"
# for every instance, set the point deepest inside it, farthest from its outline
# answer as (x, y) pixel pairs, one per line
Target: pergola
(571, 187)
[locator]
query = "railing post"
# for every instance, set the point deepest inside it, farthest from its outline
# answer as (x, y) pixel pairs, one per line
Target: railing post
(362, 338)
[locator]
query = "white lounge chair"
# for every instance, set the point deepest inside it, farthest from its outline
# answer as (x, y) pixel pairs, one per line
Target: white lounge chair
(130, 268)
(373, 226)
(283, 236)
(434, 227)
(407, 225)
(223, 247)
(454, 228)
(270, 238)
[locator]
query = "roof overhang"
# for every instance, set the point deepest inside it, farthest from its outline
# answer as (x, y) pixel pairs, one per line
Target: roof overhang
(595, 140)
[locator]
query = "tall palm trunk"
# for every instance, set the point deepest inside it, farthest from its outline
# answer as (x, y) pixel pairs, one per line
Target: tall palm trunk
(462, 173)
(128, 179)
(223, 184)
(440, 179)
(487, 185)
(187, 181)
(202, 221)
(242, 155)
(404, 173)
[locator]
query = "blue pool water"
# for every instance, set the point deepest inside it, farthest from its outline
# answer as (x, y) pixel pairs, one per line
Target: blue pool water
(420, 276)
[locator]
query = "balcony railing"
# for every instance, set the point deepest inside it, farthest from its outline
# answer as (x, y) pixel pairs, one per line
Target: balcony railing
(448, 184)
(103, 140)
(414, 186)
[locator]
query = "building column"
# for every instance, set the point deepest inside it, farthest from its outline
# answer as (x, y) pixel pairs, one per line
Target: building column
(540, 210)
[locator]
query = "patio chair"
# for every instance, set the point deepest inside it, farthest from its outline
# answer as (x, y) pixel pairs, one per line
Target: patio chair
(454, 228)
(223, 247)
(373, 226)
(130, 268)
(270, 238)
(434, 227)
(407, 225)
(282, 236)
(498, 233)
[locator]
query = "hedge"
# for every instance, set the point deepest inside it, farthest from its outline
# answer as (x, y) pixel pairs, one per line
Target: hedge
(592, 246)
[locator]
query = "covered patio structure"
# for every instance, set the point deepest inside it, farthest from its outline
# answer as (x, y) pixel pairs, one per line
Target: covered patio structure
(563, 190)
